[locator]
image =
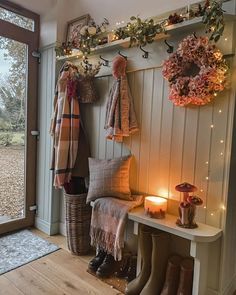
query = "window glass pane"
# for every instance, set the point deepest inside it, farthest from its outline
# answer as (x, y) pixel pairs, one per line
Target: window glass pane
(17, 19)
(13, 96)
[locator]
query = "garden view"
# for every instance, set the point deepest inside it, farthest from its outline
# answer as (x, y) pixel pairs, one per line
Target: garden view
(13, 60)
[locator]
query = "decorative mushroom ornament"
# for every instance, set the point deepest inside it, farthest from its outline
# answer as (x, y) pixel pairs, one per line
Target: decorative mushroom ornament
(185, 188)
(187, 208)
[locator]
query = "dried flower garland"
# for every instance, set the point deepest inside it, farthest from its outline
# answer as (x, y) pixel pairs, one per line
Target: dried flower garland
(88, 38)
(196, 72)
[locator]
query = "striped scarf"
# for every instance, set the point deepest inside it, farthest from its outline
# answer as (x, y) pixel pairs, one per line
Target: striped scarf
(65, 125)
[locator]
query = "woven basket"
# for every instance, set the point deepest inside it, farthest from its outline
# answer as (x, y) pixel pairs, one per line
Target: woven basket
(87, 90)
(78, 217)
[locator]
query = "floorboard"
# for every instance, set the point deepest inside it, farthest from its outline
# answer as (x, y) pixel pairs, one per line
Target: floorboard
(58, 273)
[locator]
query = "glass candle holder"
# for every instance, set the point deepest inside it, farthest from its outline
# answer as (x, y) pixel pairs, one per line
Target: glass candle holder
(155, 207)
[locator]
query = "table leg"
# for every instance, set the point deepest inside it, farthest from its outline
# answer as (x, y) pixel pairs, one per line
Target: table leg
(199, 251)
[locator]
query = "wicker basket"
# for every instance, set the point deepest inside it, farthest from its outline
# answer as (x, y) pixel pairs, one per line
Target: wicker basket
(78, 217)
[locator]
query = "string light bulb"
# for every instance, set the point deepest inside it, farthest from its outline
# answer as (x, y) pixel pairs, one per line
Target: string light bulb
(212, 126)
(220, 111)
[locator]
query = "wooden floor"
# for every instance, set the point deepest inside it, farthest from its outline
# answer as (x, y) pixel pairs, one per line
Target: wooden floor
(59, 273)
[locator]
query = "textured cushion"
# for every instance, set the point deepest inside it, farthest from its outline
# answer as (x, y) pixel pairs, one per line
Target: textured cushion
(109, 178)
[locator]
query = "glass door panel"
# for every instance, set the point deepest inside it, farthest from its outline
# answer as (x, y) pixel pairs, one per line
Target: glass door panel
(13, 119)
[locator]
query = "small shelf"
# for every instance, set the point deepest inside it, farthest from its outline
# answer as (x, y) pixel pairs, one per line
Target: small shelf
(203, 234)
(191, 25)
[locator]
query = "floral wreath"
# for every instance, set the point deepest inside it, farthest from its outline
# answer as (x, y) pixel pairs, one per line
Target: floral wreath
(196, 72)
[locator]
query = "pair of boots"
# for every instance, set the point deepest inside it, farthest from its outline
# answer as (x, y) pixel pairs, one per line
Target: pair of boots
(179, 276)
(103, 264)
(154, 248)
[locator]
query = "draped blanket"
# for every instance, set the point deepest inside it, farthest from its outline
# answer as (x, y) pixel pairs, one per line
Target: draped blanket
(120, 119)
(65, 125)
(109, 218)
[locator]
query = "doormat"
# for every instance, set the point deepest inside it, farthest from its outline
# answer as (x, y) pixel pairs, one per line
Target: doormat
(21, 248)
(114, 282)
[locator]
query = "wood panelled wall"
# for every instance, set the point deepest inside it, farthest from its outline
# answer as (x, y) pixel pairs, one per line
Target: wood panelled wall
(47, 198)
(173, 145)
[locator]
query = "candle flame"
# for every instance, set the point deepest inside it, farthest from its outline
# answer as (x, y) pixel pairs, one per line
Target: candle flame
(163, 192)
(157, 200)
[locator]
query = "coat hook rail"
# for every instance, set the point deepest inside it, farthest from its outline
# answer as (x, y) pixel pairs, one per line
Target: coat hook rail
(122, 54)
(170, 48)
(106, 62)
(146, 53)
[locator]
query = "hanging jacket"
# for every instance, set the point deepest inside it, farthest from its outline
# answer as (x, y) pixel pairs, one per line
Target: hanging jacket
(120, 119)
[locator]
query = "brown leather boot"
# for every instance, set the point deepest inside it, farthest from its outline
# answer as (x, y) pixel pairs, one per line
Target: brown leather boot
(186, 277)
(172, 276)
(145, 244)
(160, 254)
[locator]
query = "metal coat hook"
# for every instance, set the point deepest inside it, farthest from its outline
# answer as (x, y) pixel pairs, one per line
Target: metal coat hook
(86, 62)
(122, 54)
(146, 53)
(106, 62)
(170, 48)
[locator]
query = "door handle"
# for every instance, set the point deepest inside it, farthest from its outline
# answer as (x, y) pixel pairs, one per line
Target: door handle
(35, 132)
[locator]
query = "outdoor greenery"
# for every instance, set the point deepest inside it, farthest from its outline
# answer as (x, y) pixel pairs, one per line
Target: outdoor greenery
(13, 85)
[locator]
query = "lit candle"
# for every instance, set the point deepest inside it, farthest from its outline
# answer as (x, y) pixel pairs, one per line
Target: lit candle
(155, 207)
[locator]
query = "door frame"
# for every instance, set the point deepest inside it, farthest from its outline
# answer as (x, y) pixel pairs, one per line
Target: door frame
(11, 31)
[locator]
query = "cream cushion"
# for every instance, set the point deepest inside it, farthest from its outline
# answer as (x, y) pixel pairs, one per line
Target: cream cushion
(109, 178)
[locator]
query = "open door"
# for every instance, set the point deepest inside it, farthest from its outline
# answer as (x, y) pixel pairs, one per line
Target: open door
(19, 37)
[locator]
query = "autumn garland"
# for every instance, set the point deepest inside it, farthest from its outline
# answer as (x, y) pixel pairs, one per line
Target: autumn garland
(196, 72)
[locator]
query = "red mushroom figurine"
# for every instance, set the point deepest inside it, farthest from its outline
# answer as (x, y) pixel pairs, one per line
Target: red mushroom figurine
(185, 188)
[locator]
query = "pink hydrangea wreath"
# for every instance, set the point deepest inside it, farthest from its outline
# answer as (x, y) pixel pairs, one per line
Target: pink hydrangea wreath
(196, 72)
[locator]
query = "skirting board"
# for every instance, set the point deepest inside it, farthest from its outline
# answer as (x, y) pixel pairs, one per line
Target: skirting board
(47, 227)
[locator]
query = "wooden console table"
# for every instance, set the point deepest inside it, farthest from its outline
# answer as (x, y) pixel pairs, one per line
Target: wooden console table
(199, 239)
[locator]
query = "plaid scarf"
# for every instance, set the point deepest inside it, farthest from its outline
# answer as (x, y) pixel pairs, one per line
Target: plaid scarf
(120, 118)
(65, 125)
(108, 222)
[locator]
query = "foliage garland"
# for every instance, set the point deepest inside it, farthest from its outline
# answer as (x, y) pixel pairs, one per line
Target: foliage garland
(140, 32)
(143, 32)
(213, 18)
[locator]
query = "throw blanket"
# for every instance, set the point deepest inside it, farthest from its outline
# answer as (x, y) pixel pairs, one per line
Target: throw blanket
(120, 114)
(65, 125)
(109, 217)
